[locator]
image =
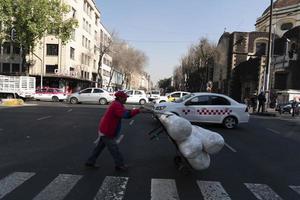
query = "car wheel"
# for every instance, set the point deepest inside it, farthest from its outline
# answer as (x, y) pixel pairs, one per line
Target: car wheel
(142, 101)
(162, 101)
(73, 100)
(230, 122)
(103, 101)
(55, 99)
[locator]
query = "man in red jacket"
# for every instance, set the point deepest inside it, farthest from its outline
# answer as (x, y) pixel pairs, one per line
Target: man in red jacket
(108, 130)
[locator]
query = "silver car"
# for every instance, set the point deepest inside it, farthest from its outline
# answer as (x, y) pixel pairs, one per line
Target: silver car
(91, 95)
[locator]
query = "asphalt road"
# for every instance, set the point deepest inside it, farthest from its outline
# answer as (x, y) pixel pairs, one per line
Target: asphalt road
(43, 148)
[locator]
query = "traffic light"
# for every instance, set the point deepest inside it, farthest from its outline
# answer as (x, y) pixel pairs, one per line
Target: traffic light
(13, 34)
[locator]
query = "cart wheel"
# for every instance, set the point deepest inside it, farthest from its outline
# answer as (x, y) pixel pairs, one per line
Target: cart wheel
(177, 160)
(184, 170)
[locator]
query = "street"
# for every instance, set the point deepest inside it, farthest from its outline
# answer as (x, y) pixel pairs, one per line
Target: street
(43, 149)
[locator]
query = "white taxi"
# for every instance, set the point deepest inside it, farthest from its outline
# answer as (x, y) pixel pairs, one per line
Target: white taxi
(207, 108)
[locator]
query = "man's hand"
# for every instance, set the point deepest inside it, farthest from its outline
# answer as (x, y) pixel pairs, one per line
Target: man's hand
(145, 110)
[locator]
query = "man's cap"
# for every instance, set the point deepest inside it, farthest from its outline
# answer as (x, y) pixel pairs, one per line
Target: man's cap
(121, 94)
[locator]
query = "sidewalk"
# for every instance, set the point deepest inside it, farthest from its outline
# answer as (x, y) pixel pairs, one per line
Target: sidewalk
(272, 113)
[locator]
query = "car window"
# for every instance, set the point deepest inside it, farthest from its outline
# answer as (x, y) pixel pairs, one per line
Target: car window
(176, 94)
(199, 100)
(183, 94)
(156, 93)
(184, 98)
(97, 91)
(50, 90)
(129, 92)
(138, 93)
(86, 91)
(59, 90)
(216, 100)
(43, 90)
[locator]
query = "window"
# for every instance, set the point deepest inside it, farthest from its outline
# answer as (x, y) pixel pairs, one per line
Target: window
(176, 95)
(15, 67)
(6, 67)
(138, 93)
(129, 92)
(97, 91)
(86, 91)
(50, 69)
(73, 35)
(199, 100)
(215, 100)
(6, 48)
(286, 26)
(261, 48)
(72, 53)
(52, 49)
(16, 49)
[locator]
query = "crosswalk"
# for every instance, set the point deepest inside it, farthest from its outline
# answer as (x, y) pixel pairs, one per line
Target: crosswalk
(114, 188)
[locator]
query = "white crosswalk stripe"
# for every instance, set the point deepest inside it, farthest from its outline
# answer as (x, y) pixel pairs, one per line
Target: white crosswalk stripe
(163, 189)
(295, 188)
(262, 191)
(59, 187)
(112, 188)
(13, 181)
(212, 190)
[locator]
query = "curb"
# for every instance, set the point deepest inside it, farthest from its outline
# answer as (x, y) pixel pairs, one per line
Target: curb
(265, 114)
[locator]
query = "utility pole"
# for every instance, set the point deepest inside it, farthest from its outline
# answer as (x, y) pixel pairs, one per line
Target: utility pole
(269, 58)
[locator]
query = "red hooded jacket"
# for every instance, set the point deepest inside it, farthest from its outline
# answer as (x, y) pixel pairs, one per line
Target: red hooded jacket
(110, 123)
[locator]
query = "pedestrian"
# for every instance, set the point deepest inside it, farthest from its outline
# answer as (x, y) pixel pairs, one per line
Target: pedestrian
(253, 101)
(261, 102)
(108, 130)
(294, 107)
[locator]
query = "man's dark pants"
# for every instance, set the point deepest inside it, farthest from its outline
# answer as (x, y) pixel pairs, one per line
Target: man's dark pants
(112, 148)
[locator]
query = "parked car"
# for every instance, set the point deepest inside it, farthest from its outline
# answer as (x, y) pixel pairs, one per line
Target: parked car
(91, 95)
(171, 96)
(136, 97)
(50, 94)
(207, 108)
(153, 95)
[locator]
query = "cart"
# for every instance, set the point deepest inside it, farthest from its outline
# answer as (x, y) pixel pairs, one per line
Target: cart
(180, 161)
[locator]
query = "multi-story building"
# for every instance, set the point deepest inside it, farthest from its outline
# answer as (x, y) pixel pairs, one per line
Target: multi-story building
(285, 61)
(239, 67)
(70, 66)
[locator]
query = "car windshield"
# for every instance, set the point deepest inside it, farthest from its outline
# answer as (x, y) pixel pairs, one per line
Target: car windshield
(184, 98)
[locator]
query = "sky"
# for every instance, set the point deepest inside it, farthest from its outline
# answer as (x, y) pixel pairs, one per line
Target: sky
(165, 29)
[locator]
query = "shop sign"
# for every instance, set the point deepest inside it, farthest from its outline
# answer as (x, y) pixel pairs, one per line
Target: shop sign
(65, 73)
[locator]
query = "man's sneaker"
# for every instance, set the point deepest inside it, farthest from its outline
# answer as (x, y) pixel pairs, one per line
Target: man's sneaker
(92, 166)
(122, 168)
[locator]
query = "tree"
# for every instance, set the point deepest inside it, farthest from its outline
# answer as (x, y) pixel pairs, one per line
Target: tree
(104, 48)
(166, 85)
(32, 20)
(128, 60)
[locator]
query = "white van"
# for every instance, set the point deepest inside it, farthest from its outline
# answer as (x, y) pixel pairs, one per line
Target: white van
(286, 96)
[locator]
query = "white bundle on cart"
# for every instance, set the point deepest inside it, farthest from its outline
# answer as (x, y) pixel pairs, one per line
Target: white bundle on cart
(195, 143)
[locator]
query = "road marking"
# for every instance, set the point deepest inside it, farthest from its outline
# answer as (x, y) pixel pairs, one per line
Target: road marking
(120, 138)
(59, 187)
(13, 181)
(162, 189)
(262, 191)
(131, 122)
(70, 110)
(229, 147)
(42, 118)
(295, 188)
(212, 190)
(112, 188)
(272, 130)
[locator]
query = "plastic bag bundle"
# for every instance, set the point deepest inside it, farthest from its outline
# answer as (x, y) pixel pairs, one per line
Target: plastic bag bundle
(192, 146)
(212, 141)
(200, 162)
(178, 128)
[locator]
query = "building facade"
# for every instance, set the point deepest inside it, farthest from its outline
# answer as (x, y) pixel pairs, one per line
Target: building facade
(70, 66)
(285, 59)
(240, 64)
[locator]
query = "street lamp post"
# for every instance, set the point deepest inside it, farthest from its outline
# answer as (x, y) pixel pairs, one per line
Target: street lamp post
(269, 56)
